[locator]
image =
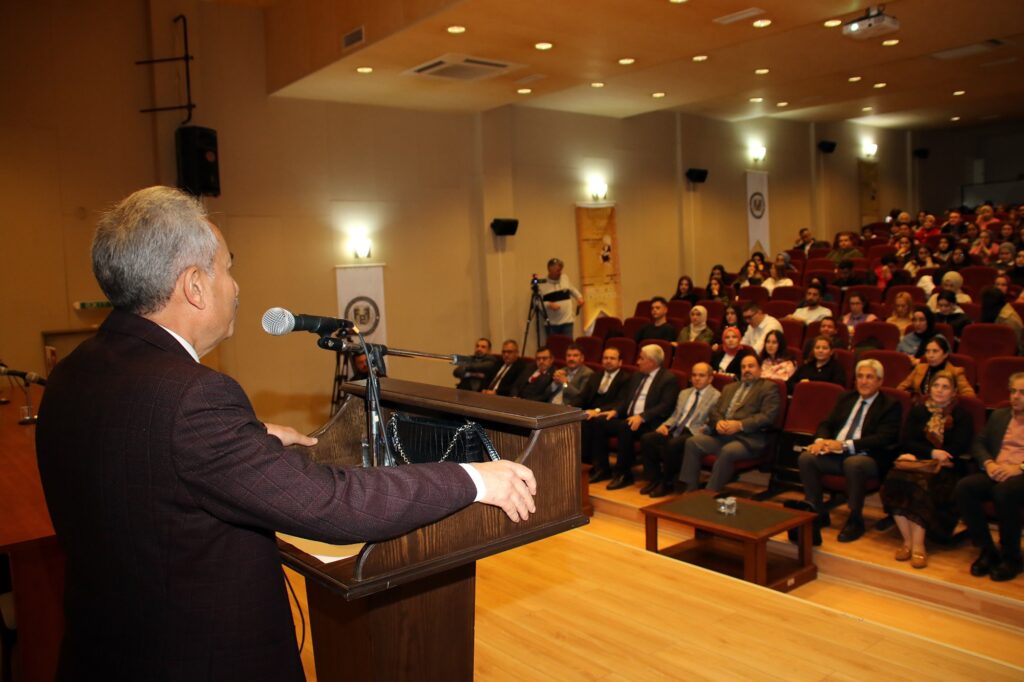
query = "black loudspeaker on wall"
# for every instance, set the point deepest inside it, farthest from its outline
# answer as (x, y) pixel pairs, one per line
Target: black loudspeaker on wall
(198, 163)
(697, 175)
(921, 153)
(827, 146)
(505, 227)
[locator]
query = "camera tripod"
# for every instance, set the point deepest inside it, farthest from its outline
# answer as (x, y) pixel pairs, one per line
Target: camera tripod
(537, 315)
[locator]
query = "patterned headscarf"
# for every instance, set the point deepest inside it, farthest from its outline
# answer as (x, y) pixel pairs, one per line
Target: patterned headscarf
(941, 419)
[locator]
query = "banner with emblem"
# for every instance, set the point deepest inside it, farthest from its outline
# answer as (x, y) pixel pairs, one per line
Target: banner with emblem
(361, 299)
(757, 212)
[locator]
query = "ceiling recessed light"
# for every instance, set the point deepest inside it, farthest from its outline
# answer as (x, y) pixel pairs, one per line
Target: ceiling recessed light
(455, 30)
(832, 23)
(853, 79)
(677, 2)
(879, 86)
(954, 118)
(700, 57)
(866, 108)
(957, 93)
(762, 23)
(524, 91)
(543, 46)
(364, 69)
(657, 95)
(597, 84)
(757, 100)
(761, 72)
(782, 104)
(891, 42)
(626, 61)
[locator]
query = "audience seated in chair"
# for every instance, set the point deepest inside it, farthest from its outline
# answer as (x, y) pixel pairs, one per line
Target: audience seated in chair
(777, 362)
(507, 375)
(569, 383)
(921, 329)
(811, 310)
(935, 360)
(999, 451)
(476, 374)
(737, 427)
(535, 381)
(759, 323)
(921, 501)
(659, 327)
(821, 365)
(845, 250)
(604, 392)
(698, 329)
(728, 357)
(856, 441)
(650, 399)
(662, 449)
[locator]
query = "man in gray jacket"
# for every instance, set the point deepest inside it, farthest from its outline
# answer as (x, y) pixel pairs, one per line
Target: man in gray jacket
(569, 382)
(662, 449)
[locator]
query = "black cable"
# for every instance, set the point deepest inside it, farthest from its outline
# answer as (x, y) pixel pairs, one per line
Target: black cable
(298, 607)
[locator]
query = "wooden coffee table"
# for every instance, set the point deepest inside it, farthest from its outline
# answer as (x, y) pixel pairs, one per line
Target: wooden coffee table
(737, 544)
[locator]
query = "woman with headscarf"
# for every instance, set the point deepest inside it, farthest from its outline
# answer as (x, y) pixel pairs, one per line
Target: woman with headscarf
(935, 360)
(920, 331)
(921, 502)
(951, 313)
(944, 250)
(729, 356)
(698, 329)
(1005, 257)
(951, 281)
(995, 310)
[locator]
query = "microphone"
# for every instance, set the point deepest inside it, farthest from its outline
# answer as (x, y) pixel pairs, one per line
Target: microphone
(27, 377)
(278, 322)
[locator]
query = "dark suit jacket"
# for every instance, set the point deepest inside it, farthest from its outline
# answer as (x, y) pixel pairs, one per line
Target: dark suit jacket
(508, 382)
(757, 412)
(661, 396)
(989, 442)
(610, 400)
(476, 374)
(539, 388)
(165, 492)
(880, 434)
(956, 440)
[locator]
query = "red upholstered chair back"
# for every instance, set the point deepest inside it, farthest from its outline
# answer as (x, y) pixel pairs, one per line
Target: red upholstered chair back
(972, 310)
(794, 293)
(847, 361)
(983, 341)
(968, 365)
(887, 335)
(810, 405)
(780, 308)
(666, 347)
(606, 327)
(680, 309)
(793, 330)
(895, 365)
(819, 252)
(879, 250)
(642, 309)
(995, 377)
(557, 343)
(631, 325)
(688, 353)
(826, 275)
(906, 402)
(825, 264)
(754, 293)
(591, 347)
(976, 408)
(716, 309)
(720, 380)
(682, 377)
(978, 276)
(626, 346)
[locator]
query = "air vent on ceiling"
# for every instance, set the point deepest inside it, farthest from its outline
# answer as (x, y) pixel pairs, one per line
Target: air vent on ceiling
(969, 50)
(739, 16)
(460, 67)
(352, 38)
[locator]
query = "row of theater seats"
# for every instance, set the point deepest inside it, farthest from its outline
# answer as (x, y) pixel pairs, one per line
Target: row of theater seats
(988, 375)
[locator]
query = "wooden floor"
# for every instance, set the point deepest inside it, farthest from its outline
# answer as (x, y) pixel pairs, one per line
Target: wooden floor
(591, 604)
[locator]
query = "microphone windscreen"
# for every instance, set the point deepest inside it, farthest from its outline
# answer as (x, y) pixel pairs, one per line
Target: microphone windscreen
(278, 321)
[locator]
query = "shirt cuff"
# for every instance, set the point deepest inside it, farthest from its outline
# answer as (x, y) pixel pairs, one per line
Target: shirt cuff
(478, 481)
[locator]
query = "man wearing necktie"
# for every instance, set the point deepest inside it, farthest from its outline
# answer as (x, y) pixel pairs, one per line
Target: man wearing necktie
(507, 376)
(737, 427)
(535, 382)
(570, 381)
(662, 449)
(857, 440)
(650, 398)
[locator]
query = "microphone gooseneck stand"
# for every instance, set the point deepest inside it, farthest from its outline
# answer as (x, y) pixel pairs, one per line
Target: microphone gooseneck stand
(377, 449)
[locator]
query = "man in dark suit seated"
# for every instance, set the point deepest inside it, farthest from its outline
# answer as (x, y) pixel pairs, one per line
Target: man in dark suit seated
(164, 488)
(512, 366)
(535, 382)
(662, 449)
(600, 400)
(476, 374)
(650, 398)
(999, 451)
(857, 440)
(737, 427)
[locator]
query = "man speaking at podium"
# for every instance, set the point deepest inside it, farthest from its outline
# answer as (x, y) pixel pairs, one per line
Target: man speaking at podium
(165, 490)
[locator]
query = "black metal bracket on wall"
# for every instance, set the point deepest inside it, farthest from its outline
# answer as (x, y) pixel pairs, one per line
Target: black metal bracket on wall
(186, 57)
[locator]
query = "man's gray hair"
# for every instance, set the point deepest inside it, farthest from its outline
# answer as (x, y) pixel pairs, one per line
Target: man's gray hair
(873, 364)
(145, 241)
(654, 352)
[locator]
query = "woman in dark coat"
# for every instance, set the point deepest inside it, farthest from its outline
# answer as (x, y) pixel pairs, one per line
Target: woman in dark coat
(820, 366)
(922, 503)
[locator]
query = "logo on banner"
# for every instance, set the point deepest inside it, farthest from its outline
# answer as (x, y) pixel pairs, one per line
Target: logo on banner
(364, 312)
(757, 205)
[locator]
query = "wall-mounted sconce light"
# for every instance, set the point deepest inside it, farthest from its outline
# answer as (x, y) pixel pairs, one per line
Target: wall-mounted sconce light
(757, 151)
(597, 187)
(869, 149)
(362, 247)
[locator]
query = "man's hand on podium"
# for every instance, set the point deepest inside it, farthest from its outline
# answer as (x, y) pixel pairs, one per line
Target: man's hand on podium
(289, 436)
(510, 486)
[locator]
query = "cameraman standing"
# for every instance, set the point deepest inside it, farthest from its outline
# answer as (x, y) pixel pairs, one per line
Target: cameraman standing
(558, 295)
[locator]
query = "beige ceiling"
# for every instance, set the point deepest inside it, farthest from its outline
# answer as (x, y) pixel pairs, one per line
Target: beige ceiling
(809, 64)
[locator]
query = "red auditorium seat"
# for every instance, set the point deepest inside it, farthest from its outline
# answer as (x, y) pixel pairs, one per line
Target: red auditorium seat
(824, 275)
(793, 330)
(976, 408)
(895, 365)
(689, 353)
(557, 343)
(826, 264)
(680, 309)
(591, 347)
(810, 404)
(868, 292)
(666, 347)
(978, 276)
(847, 361)
(972, 310)
(720, 380)
(606, 327)
(626, 346)
(795, 294)
(642, 309)
(879, 250)
(995, 377)
(887, 335)
(814, 328)
(716, 309)
(968, 365)
(983, 341)
(754, 293)
(631, 325)
(779, 308)
(819, 252)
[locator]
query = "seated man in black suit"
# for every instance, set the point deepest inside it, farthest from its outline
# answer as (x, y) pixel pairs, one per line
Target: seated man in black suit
(505, 378)
(650, 399)
(857, 440)
(999, 450)
(535, 383)
(662, 449)
(478, 372)
(737, 427)
(600, 399)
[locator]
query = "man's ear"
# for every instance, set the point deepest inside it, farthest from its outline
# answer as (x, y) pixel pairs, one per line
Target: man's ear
(193, 286)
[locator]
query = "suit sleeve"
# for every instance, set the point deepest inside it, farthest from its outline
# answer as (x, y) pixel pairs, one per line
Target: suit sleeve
(240, 474)
(665, 400)
(884, 434)
(985, 443)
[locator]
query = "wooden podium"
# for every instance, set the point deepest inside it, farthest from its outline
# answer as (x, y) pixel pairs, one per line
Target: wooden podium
(404, 608)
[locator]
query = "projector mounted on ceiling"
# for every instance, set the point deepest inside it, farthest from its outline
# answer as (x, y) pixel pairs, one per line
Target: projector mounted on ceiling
(873, 24)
